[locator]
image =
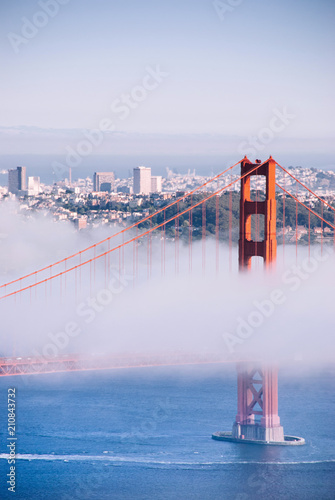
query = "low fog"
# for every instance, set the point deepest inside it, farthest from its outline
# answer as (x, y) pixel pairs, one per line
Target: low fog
(282, 315)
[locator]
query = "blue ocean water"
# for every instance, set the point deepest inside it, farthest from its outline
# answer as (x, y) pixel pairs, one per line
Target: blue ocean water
(146, 434)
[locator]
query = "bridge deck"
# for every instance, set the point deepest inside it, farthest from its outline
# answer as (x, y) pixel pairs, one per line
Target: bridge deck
(31, 366)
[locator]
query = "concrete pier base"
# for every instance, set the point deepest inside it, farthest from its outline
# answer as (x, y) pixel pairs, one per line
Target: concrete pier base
(287, 441)
(258, 432)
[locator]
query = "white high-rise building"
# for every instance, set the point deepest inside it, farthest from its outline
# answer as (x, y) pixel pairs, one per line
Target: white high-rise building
(142, 180)
(156, 184)
(33, 186)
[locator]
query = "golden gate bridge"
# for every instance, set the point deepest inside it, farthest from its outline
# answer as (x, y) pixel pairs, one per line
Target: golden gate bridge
(257, 383)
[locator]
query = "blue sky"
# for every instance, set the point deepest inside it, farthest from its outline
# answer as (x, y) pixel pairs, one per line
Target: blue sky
(226, 76)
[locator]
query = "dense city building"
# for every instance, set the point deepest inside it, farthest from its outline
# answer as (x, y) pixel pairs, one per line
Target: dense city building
(17, 180)
(80, 223)
(104, 181)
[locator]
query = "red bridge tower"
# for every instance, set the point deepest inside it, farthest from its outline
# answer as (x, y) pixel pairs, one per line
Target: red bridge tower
(257, 417)
(257, 387)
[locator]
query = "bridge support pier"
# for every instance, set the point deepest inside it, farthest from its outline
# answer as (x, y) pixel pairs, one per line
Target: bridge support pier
(257, 397)
(257, 419)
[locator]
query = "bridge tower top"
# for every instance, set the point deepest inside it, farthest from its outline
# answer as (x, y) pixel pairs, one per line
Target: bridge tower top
(248, 248)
